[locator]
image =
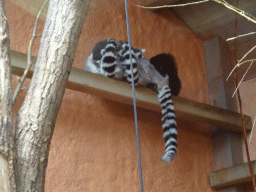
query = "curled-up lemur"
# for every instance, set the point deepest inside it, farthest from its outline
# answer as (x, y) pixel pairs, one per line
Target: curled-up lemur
(111, 58)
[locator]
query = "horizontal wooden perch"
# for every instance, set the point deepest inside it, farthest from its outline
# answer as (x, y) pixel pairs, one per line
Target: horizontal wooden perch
(232, 175)
(197, 114)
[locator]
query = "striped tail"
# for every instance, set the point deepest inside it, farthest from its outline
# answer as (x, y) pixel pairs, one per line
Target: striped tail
(169, 123)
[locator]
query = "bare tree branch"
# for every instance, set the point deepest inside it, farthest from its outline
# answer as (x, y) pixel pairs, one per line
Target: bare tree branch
(34, 36)
(37, 115)
(6, 118)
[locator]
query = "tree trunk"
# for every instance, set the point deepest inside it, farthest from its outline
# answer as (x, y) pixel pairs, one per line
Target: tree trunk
(7, 182)
(37, 115)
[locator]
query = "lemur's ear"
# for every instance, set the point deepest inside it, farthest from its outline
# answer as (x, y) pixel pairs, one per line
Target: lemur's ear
(143, 50)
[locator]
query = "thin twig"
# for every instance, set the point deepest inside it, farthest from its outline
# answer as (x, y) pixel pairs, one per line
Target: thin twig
(233, 38)
(236, 10)
(240, 12)
(240, 61)
(250, 60)
(241, 108)
(242, 79)
(29, 56)
(168, 6)
(238, 65)
(234, 68)
(252, 130)
(247, 54)
(38, 35)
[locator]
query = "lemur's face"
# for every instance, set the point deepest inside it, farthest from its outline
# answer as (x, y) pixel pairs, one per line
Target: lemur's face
(139, 53)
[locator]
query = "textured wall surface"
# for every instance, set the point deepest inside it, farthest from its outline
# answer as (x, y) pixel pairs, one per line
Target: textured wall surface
(94, 145)
(248, 95)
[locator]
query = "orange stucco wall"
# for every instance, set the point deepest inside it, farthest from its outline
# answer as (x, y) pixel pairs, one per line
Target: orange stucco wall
(94, 145)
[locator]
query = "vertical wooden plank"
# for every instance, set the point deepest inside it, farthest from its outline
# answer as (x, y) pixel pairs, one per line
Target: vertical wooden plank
(227, 149)
(226, 60)
(227, 146)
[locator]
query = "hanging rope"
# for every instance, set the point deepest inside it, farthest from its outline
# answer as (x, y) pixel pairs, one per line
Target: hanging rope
(133, 94)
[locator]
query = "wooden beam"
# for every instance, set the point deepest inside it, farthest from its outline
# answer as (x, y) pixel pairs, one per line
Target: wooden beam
(206, 17)
(186, 110)
(231, 176)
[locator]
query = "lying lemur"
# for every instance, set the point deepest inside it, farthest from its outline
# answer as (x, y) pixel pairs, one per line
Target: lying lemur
(111, 59)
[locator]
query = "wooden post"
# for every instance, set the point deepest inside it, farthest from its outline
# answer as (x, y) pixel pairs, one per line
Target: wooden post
(227, 146)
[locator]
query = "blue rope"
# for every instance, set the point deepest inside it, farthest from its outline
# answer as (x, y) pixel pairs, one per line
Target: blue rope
(133, 94)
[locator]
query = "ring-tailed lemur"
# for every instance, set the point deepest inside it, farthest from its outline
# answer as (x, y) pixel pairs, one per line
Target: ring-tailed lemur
(111, 58)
